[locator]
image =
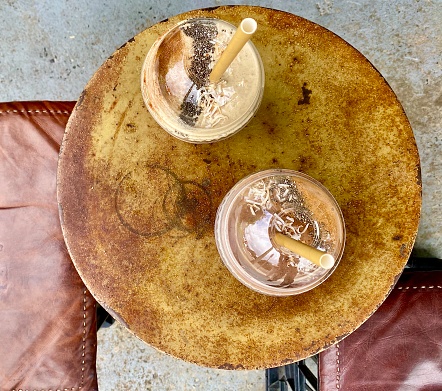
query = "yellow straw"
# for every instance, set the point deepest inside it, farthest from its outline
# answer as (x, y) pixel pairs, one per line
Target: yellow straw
(245, 31)
(314, 255)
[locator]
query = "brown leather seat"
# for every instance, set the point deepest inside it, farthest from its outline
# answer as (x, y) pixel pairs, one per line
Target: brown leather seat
(47, 316)
(399, 348)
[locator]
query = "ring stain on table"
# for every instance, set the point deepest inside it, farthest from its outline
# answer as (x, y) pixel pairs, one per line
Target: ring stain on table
(156, 201)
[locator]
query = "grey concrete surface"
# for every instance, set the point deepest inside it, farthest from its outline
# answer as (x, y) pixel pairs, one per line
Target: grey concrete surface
(50, 49)
(126, 363)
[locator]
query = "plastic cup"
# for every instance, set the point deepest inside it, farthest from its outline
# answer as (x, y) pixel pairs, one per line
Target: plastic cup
(176, 88)
(271, 202)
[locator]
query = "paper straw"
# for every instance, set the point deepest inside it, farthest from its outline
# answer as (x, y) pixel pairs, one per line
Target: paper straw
(245, 31)
(314, 255)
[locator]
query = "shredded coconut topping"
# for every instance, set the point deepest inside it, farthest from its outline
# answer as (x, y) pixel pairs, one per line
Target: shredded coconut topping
(211, 99)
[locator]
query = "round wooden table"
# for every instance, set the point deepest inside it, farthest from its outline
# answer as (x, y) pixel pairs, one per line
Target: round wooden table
(137, 206)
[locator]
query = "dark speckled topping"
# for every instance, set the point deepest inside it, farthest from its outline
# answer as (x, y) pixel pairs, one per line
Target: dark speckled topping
(203, 34)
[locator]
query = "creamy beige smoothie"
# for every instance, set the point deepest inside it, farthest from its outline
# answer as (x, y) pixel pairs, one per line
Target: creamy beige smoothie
(271, 203)
(177, 91)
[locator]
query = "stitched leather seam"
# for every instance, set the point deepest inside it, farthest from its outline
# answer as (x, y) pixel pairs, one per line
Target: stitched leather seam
(36, 112)
(83, 353)
(83, 356)
(420, 287)
(338, 361)
(338, 368)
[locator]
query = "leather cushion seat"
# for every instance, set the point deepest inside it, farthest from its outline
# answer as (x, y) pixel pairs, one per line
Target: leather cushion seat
(399, 348)
(47, 316)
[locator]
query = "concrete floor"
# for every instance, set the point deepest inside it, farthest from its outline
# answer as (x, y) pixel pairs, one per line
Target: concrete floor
(50, 49)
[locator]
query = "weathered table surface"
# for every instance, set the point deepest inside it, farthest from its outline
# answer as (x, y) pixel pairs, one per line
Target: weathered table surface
(137, 206)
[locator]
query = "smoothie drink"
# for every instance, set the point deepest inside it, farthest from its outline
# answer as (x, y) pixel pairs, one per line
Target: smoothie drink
(178, 93)
(272, 204)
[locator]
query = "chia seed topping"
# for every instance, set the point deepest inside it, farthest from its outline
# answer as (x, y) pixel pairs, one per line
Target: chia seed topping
(203, 35)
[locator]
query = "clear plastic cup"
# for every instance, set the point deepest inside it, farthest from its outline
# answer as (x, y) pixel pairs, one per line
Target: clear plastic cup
(278, 201)
(176, 88)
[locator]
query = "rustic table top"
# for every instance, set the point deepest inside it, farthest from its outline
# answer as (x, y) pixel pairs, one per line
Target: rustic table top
(137, 206)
